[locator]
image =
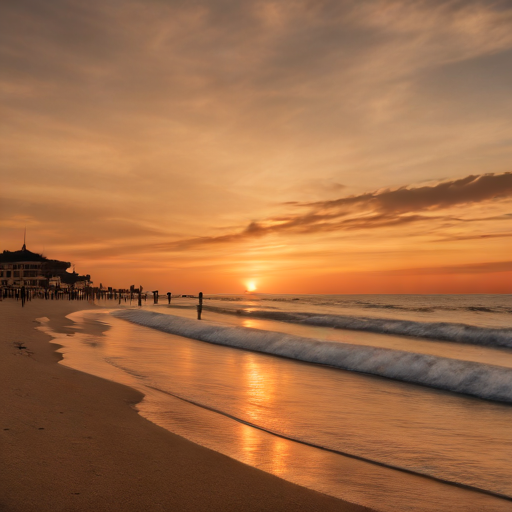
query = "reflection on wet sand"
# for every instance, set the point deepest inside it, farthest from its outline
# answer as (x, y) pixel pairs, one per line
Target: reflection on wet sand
(259, 388)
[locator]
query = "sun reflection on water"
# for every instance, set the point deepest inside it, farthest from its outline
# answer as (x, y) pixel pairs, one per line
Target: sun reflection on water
(251, 323)
(260, 387)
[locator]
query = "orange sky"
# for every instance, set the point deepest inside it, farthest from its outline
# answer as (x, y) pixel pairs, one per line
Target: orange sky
(310, 147)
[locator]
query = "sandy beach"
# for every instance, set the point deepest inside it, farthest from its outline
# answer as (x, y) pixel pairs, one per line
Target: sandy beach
(70, 441)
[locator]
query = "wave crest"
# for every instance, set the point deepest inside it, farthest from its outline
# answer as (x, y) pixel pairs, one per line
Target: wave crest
(459, 333)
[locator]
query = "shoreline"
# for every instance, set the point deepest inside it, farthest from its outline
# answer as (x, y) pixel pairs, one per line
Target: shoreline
(73, 441)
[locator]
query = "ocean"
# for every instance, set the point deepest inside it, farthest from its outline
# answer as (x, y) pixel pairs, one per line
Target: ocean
(396, 402)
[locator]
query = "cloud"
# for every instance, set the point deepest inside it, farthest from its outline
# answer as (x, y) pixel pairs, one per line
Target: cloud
(384, 208)
(443, 195)
(480, 236)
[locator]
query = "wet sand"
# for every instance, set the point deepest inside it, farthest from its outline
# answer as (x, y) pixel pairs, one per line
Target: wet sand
(70, 441)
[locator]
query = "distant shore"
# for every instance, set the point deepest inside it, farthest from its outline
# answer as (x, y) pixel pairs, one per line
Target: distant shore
(72, 441)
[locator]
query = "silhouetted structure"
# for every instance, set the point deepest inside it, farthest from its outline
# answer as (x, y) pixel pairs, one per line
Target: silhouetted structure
(32, 270)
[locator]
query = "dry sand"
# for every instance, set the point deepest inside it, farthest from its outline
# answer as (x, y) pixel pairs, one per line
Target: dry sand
(70, 441)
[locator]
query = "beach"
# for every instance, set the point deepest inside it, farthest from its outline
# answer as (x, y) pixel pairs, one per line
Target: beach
(73, 441)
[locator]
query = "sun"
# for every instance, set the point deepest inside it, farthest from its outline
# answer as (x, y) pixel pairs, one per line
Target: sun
(251, 286)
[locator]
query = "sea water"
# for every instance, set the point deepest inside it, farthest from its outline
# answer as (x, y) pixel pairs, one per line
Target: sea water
(394, 402)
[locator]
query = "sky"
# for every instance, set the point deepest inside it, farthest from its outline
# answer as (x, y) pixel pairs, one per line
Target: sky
(301, 146)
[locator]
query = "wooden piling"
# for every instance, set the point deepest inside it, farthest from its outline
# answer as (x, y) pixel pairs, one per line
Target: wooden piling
(200, 306)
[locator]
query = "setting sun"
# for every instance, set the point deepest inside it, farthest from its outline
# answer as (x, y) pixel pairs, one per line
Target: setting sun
(251, 286)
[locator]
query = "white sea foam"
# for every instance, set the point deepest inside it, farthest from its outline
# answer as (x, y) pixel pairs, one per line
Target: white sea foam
(459, 333)
(480, 380)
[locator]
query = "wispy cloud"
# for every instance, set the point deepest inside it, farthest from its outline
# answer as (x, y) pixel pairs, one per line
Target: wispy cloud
(480, 236)
(446, 194)
(472, 268)
(372, 210)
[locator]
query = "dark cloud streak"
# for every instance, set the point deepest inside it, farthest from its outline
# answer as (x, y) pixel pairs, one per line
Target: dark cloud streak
(388, 208)
(483, 236)
(471, 189)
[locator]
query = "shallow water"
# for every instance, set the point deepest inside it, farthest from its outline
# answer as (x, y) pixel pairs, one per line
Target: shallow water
(226, 398)
(479, 310)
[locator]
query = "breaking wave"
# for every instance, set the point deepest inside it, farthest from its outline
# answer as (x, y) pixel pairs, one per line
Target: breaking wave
(481, 380)
(459, 333)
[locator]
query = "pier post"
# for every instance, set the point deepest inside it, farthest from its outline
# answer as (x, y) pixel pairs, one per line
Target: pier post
(200, 306)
